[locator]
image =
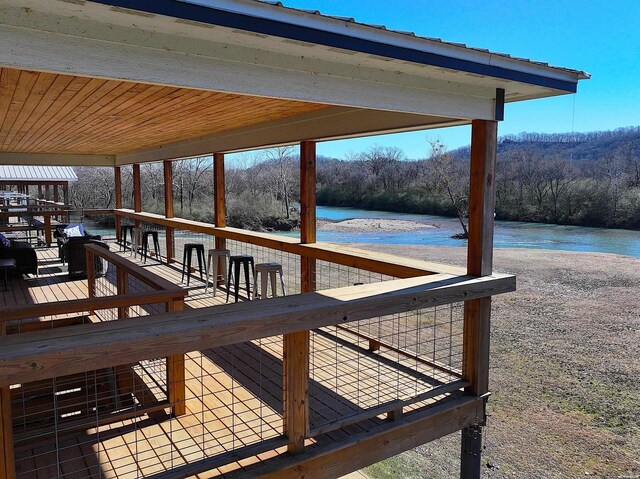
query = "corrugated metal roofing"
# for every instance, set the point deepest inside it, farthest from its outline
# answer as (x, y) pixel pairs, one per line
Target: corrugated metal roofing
(432, 39)
(37, 173)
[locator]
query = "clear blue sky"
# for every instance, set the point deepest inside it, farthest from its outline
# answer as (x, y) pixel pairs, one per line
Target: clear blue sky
(600, 37)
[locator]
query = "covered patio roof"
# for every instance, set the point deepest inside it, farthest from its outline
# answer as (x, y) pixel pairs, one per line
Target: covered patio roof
(112, 82)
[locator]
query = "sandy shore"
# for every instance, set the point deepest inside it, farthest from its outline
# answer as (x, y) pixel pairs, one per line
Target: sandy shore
(371, 225)
(565, 370)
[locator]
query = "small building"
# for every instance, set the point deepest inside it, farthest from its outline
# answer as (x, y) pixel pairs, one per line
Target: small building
(131, 372)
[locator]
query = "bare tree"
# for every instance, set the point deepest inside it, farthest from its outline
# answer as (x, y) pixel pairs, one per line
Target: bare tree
(449, 175)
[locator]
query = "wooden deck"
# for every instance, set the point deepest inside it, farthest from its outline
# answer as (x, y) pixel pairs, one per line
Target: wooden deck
(234, 398)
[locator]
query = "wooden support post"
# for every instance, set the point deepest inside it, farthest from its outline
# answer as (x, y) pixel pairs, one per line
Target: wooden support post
(477, 313)
(91, 274)
(56, 197)
(46, 192)
(65, 199)
(117, 183)
(40, 196)
(137, 191)
(220, 207)
(296, 348)
(176, 372)
(137, 199)
(168, 209)
(48, 235)
(7, 456)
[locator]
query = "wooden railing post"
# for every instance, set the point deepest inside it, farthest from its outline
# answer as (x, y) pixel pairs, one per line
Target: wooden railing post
(477, 313)
(122, 288)
(137, 200)
(117, 179)
(296, 347)
(176, 371)
(48, 236)
(220, 208)
(7, 457)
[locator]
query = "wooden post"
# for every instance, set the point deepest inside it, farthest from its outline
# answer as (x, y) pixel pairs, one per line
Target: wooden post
(477, 313)
(168, 209)
(7, 456)
(56, 197)
(117, 180)
(46, 192)
(220, 208)
(137, 199)
(65, 198)
(122, 285)
(48, 236)
(176, 372)
(296, 348)
(40, 196)
(137, 192)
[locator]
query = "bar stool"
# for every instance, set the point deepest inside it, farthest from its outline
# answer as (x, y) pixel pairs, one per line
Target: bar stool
(144, 249)
(186, 259)
(123, 236)
(234, 265)
(135, 236)
(215, 255)
(267, 271)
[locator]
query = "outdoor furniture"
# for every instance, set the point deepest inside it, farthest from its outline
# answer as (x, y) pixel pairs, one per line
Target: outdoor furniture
(266, 272)
(216, 256)
(77, 257)
(234, 266)
(5, 266)
(189, 248)
(23, 253)
(124, 229)
(144, 249)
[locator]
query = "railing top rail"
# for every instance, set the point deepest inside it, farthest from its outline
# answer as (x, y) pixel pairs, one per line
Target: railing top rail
(144, 275)
(47, 207)
(26, 311)
(45, 354)
(371, 261)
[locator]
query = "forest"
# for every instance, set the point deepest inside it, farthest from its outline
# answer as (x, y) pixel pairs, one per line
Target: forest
(587, 179)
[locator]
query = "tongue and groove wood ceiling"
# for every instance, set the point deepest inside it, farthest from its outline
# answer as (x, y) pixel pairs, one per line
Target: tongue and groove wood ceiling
(53, 113)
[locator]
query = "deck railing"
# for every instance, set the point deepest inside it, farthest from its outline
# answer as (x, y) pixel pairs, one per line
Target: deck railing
(54, 407)
(386, 340)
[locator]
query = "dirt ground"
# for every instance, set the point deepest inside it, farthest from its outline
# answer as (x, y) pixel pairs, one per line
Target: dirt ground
(565, 370)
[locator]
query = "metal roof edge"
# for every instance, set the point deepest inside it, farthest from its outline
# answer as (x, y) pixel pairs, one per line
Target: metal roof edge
(315, 31)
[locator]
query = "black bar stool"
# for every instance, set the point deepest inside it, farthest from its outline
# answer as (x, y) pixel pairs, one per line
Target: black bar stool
(123, 236)
(144, 251)
(186, 259)
(234, 265)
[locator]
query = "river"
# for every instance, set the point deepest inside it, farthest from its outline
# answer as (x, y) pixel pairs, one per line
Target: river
(508, 234)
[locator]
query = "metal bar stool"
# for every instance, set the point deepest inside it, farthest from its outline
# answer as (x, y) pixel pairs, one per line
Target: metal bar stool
(234, 266)
(123, 236)
(267, 271)
(144, 249)
(217, 256)
(186, 259)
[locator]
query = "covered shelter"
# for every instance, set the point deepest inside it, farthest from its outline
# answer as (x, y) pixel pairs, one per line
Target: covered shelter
(124, 82)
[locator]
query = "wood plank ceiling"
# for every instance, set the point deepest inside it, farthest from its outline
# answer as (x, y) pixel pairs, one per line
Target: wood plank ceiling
(53, 113)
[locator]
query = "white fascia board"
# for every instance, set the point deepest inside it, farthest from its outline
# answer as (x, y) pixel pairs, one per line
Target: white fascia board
(389, 37)
(47, 42)
(331, 124)
(55, 159)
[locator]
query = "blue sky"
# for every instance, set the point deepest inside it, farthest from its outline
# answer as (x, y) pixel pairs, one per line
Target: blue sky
(600, 37)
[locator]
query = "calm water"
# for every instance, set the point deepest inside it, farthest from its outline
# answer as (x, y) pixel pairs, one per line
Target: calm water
(508, 234)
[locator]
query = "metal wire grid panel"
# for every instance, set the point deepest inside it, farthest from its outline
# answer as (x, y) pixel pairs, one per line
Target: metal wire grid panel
(332, 275)
(378, 365)
(233, 411)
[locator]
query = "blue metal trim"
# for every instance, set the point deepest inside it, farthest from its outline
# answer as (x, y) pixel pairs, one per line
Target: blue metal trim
(197, 13)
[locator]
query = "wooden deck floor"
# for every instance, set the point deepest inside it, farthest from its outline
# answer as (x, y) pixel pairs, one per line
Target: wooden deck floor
(234, 398)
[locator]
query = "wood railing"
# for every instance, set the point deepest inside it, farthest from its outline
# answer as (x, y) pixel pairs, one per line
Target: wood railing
(21, 321)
